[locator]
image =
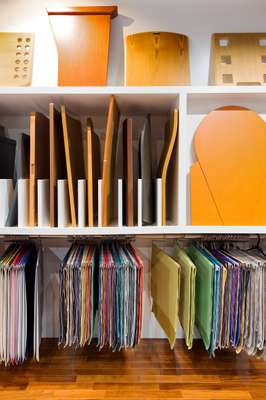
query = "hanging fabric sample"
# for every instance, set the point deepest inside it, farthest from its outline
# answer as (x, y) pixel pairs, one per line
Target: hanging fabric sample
(38, 305)
(217, 269)
(204, 293)
(165, 288)
(120, 296)
(19, 317)
(76, 286)
(107, 282)
(187, 294)
(234, 295)
(244, 294)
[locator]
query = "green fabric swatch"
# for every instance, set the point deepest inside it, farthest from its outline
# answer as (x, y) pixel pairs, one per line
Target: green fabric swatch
(204, 292)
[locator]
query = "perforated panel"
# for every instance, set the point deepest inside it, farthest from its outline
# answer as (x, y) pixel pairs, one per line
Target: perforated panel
(238, 59)
(16, 51)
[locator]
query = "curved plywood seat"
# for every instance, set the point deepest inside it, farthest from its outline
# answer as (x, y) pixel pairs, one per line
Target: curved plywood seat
(228, 183)
(156, 58)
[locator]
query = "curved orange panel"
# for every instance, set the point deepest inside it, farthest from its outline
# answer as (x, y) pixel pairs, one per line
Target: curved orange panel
(202, 206)
(230, 145)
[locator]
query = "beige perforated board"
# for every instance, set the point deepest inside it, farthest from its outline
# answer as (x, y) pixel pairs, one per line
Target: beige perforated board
(16, 50)
(238, 59)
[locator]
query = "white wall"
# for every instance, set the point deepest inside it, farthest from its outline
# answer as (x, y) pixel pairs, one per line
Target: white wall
(196, 18)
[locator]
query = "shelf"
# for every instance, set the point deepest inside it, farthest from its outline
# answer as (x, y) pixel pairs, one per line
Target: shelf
(130, 89)
(132, 231)
(87, 100)
(134, 100)
(206, 101)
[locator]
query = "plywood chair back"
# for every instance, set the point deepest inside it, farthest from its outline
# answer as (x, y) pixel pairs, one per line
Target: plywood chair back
(39, 159)
(109, 162)
(156, 58)
(57, 159)
(93, 171)
(82, 39)
(170, 140)
(16, 54)
(230, 174)
(238, 59)
(73, 144)
(146, 173)
(128, 169)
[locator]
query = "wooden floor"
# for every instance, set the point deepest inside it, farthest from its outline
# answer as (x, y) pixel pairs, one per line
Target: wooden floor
(152, 371)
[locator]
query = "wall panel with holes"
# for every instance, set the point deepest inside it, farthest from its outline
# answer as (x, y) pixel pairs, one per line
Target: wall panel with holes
(16, 50)
(238, 59)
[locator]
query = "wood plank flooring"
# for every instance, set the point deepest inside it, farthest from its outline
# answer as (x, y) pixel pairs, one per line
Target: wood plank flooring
(151, 371)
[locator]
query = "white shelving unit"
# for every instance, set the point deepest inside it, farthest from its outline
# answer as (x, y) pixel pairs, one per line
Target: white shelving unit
(193, 103)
